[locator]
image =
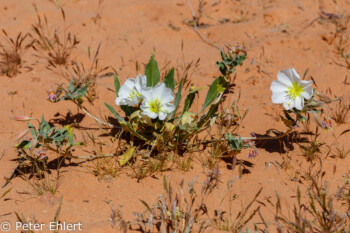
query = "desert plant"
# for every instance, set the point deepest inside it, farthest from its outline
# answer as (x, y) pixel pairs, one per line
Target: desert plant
(317, 213)
(340, 151)
(89, 74)
(340, 112)
(174, 212)
(33, 152)
(11, 53)
(152, 121)
(226, 220)
(53, 47)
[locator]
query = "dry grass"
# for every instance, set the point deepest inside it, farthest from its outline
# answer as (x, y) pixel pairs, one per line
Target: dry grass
(315, 212)
(54, 47)
(12, 51)
(340, 112)
(89, 74)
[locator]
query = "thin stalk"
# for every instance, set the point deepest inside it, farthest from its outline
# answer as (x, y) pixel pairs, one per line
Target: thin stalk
(93, 156)
(99, 120)
(250, 138)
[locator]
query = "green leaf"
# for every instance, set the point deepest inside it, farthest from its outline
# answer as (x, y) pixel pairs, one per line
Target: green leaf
(71, 85)
(189, 99)
(127, 109)
(216, 88)
(82, 91)
(212, 110)
(177, 99)
(116, 84)
(24, 144)
(152, 72)
(169, 80)
(119, 118)
(126, 125)
(126, 156)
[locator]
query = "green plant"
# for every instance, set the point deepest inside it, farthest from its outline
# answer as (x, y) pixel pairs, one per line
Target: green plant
(33, 153)
(169, 129)
(46, 137)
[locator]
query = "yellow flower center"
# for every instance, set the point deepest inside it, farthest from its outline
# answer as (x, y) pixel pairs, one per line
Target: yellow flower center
(155, 105)
(294, 91)
(134, 94)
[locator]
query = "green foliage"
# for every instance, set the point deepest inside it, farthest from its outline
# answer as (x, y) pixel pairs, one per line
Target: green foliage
(152, 72)
(175, 132)
(236, 144)
(230, 60)
(177, 99)
(216, 88)
(169, 79)
(47, 137)
(313, 106)
(75, 92)
(116, 84)
(189, 99)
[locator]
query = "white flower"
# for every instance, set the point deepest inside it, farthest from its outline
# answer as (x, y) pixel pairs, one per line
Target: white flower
(130, 91)
(290, 90)
(157, 101)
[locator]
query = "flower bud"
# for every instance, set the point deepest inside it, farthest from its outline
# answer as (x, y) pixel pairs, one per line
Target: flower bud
(52, 96)
(22, 118)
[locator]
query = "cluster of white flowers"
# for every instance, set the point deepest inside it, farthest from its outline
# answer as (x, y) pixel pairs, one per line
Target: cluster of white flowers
(290, 90)
(155, 101)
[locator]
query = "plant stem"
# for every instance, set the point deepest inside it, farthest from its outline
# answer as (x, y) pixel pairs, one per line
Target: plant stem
(250, 138)
(268, 138)
(93, 156)
(98, 120)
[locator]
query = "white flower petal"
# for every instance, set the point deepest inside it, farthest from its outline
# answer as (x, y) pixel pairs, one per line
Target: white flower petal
(117, 101)
(284, 76)
(149, 113)
(308, 90)
(162, 92)
(278, 97)
(128, 93)
(147, 93)
(288, 105)
(278, 86)
(169, 107)
(140, 83)
(130, 83)
(290, 90)
(294, 74)
(162, 115)
(299, 103)
(124, 91)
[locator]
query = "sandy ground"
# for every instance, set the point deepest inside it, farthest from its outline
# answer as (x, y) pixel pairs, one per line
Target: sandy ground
(277, 34)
